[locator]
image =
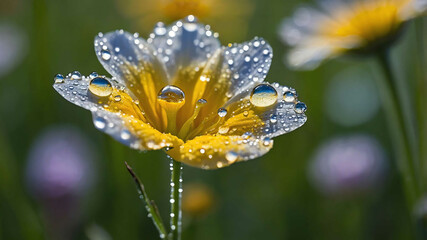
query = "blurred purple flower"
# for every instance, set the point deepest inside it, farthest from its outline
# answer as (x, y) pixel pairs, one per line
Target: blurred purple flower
(59, 174)
(348, 165)
(59, 164)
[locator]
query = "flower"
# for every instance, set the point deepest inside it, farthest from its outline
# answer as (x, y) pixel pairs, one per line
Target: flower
(180, 90)
(348, 165)
(197, 199)
(229, 17)
(355, 26)
(59, 175)
(59, 164)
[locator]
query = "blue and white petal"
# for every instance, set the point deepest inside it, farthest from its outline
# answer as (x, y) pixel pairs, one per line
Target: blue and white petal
(184, 43)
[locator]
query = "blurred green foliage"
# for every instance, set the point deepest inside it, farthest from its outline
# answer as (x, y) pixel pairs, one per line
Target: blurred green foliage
(266, 198)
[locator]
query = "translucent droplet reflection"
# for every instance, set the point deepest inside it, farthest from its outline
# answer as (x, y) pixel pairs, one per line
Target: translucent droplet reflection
(59, 78)
(100, 87)
(263, 95)
(105, 55)
(300, 107)
(289, 96)
(171, 94)
(222, 112)
(231, 156)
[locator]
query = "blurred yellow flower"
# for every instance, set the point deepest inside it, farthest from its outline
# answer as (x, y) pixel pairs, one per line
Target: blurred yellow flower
(229, 17)
(355, 26)
(197, 199)
(181, 91)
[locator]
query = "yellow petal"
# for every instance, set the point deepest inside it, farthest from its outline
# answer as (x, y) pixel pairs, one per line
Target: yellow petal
(133, 62)
(150, 138)
(216, 151)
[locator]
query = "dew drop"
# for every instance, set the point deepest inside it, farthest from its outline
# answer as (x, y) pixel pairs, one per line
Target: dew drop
(117, 98)
(289, 96)
(99, 123)
(93, 75)
(273, 119)
(222, 112)
(300, 107)
(201, 102)
(125, 135)
(59, 78)
(263, 95)
(231, 156)
(105, 55)
(100, 87)
(267, 141)
(223, 130)
(171, 94)
(76, 75)
(245, 113)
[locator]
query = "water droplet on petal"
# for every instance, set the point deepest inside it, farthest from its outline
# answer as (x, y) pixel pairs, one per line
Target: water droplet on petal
(273, 119)
(125, 134)
(100, 87)
(105, 55)
(76, 75)
(300, 107)
(222, 112)
(263, 95)
(93, 75)
(201, 102)
(289, 96)
(223, 130)
(59, 78)
(171, 94)
(117, 98)
(100, 123)
(267, 141)
(231, 156)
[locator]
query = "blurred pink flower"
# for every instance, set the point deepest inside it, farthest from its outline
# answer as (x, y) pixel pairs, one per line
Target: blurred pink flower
(348, 165)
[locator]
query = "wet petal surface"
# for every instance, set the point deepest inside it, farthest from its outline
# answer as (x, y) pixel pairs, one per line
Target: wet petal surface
(212, 152)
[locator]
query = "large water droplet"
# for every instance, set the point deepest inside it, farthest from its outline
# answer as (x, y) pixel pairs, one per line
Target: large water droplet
(289, 96)
(222, 112)
(300, 107)
(100, 87)
(105, 55)
(263, 95)
(171, 94)
(59, 78)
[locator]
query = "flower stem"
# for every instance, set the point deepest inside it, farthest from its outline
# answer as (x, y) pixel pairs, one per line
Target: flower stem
(175, 200)
(150, 205)
(398, 130)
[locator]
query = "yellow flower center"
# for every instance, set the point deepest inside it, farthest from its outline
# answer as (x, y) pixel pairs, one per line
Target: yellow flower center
(177, 9)
(367, 21)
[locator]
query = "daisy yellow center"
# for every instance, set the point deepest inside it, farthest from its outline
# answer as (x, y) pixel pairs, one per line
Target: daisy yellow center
(367, 20)
(177, 9)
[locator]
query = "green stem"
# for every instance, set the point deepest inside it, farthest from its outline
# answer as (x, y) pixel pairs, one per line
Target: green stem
(400, 136)
(150, 205)
(175, 200)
